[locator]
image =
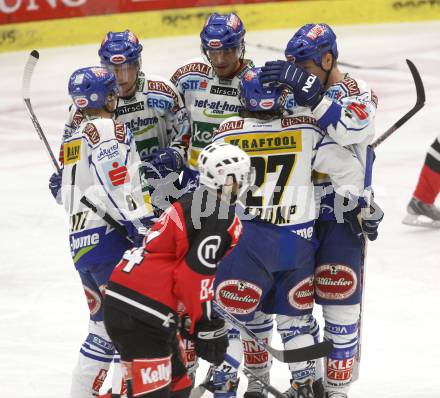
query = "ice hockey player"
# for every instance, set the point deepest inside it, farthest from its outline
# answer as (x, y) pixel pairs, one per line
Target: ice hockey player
(177, 264)
(208, 85)
(344, 108)
(276, 277)
(421, 210)
(100, 163)
(209, 88)
(148, 105)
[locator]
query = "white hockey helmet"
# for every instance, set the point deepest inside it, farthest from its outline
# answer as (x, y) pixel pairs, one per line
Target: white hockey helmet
(218, 160)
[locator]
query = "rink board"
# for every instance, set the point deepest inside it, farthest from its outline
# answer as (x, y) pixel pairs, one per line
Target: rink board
(188, 21)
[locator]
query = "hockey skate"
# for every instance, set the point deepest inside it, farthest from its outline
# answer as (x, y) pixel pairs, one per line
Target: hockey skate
(421, 214)
(255, 389)
(300, 390)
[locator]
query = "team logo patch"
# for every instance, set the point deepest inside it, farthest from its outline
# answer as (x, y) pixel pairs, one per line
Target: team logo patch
(215, 43)
(117, 59)
(81, 102)
(301, 295)
(91, 131)
(238, 296)
(335, 281)
(93, 300)
(151, 375)
(267, 104)
(249, 75)
(315, 32)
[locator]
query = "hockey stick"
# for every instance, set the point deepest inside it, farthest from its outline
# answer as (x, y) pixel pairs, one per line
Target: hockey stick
(295, 355)
(420, 102)
(106, 217)
(346, 64)
(27, 76)
(197, 392)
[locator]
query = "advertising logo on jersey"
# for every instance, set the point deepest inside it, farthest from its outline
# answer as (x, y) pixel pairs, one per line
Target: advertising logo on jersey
(253, 353)
(217, 109)
(207, 251)
(238, 296)
(120, 132)
(99, 381)
(301, 295)
(130, 108)
(194, 85)
(118, 59)
(93, 300)
(92, 133)
(232, 125)
(87, 239)
(335, 281)
(339, 370)
(108, 151)
(198, 68)
(116, 173)
(228, 91)
(268, 143)
(151, 375)
(71, 152)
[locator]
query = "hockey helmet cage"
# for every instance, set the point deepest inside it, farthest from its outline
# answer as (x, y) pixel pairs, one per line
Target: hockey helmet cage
(222, 32)
(311, 41)
(89, 87)
(217, 161)
(255, 97)
(119, 48)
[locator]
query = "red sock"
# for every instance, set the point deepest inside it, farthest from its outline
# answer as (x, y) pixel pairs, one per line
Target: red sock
(428, 185)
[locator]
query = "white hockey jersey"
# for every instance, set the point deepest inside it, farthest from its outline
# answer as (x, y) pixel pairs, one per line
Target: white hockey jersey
(208, 99)
(100, 162)
(155, 115)
(352, 123)
(284, 152)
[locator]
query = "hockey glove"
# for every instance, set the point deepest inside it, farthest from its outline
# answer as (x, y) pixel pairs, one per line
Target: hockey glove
(306, 87)
(55, 186)
(162, 162)
(211, 340)
(365, 221)
(371, 220)
(137, 231)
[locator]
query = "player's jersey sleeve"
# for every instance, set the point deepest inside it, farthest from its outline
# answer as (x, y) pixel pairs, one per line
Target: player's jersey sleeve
(195, 272)
(342, 166)
(74, 119)
(347, 112)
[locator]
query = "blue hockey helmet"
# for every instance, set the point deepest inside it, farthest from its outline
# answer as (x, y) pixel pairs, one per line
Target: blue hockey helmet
(119, 48)
(311, 41)
(222, 32)
(89, 87)
(254, 97)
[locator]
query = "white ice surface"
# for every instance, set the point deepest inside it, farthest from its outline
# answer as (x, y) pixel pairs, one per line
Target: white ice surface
(43, 314)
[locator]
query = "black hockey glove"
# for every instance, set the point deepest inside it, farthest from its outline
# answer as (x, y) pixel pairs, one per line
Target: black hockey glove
(306, 87)
(211, 340)
(366, 222)
(55, 186)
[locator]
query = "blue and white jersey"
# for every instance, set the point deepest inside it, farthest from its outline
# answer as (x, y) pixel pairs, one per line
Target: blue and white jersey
(208, 99)
(347, 114)
(100, 162)
(284, 151)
